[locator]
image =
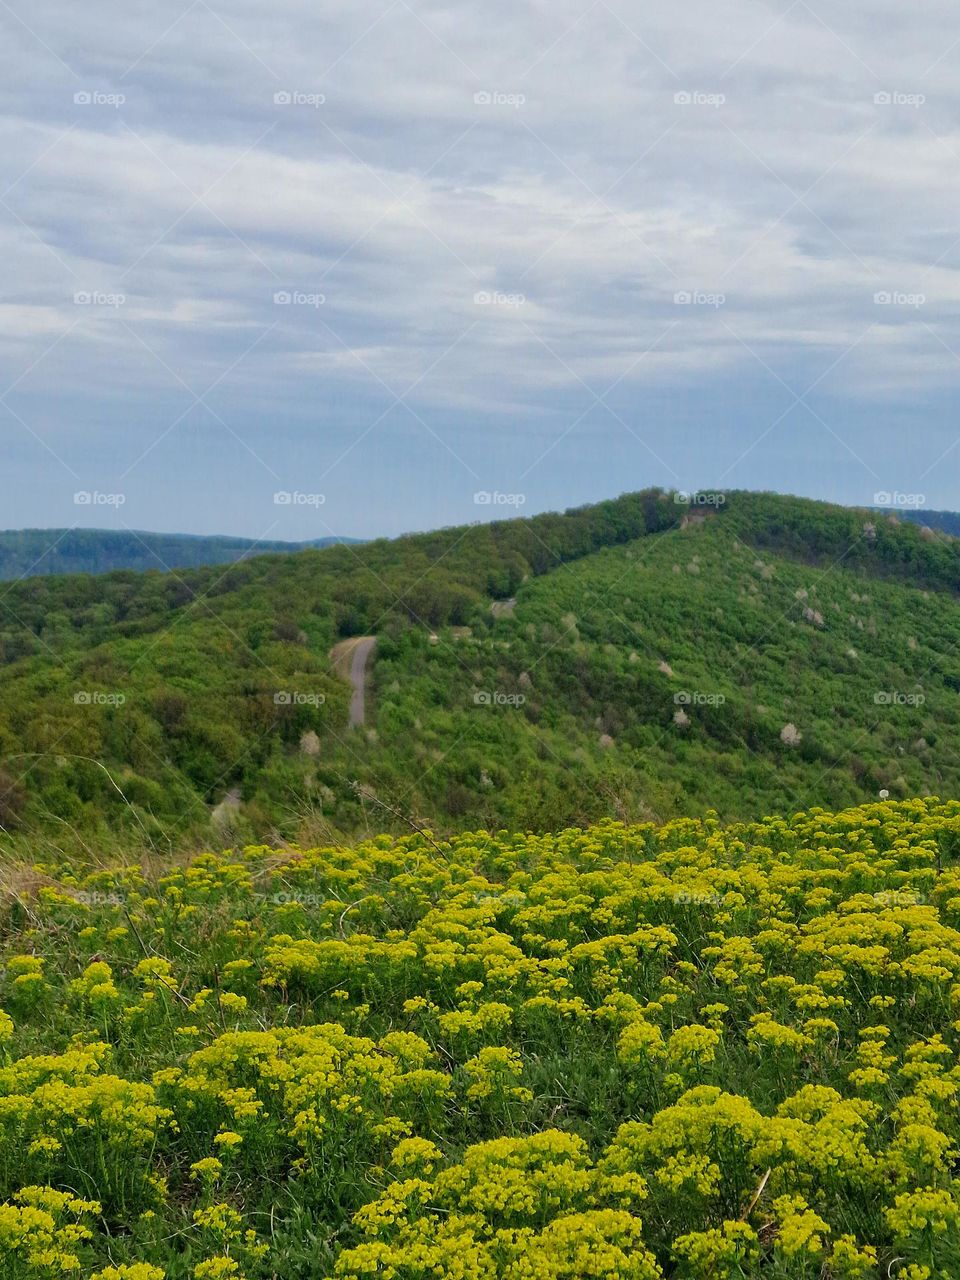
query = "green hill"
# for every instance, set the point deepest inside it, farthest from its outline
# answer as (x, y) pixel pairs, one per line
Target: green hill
(943, 521)
(30, 553)
(659, 659)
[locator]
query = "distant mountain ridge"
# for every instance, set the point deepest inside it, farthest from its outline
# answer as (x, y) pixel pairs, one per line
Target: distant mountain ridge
(943, 521)
(31, 553)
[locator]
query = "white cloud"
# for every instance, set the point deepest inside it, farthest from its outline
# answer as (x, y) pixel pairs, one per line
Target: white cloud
(577, 181)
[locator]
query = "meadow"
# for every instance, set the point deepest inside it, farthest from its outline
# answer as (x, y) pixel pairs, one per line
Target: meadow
(691, 1050)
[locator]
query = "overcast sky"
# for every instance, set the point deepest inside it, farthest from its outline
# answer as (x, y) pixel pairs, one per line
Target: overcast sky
(381, 258)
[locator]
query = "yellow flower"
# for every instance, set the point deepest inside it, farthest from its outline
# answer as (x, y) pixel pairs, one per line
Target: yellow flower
(130, 1271)
(801, 1230)
(227, 1138)
(416, 1153)
(96, 984)
(217, 1269)
(207, 1170)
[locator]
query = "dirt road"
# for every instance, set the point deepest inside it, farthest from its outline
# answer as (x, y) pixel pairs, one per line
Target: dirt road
(228, 807)
(350, 659)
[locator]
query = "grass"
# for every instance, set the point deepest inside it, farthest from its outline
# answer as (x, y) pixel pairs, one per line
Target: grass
(687, 1050)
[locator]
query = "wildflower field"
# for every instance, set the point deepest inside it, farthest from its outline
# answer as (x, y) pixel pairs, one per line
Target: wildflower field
(684, 1051)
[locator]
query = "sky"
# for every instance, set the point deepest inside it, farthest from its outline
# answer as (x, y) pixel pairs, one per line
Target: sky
(302, 269)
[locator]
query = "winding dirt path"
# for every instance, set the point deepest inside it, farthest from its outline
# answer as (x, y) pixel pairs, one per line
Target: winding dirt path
(350, 660)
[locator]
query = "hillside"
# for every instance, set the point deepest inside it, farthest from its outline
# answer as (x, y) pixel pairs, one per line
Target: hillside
(30, 553)
(775, 654)
(943, 521)
(690, 1051)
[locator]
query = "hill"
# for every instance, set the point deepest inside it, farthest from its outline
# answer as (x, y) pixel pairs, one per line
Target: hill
(943, 521)
(28, 553)
(690, 1051)
(652, 660)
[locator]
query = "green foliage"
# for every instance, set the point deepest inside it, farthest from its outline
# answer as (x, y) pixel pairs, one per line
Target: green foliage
(656, 661)
(137, 700)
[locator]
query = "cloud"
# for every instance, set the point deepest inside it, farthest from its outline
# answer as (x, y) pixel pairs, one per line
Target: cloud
(518, 214)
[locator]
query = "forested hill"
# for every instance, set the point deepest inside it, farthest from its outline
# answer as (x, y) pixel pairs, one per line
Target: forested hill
(27, 553)
(433, 578)
(641, 657)
(943, 521)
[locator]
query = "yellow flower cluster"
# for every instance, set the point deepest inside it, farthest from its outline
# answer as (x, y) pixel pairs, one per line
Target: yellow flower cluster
(684, 1051)
(42, 1231)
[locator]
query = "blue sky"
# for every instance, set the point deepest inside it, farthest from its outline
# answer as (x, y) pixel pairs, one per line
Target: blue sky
(384, 258)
